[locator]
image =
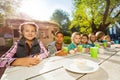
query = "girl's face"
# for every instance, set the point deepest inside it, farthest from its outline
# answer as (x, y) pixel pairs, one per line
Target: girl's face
(84, 40)
(59, 38)
(102, 38)
(76, 39)
(108, 39)
(29, 32)
(93, 38)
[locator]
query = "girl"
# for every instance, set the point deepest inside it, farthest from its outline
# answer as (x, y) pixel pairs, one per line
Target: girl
(84, 42)
(28, 51)
(84, 39)
(75, 39)
(108, 40)
(100, 36)
(92, 38)
(55, 47)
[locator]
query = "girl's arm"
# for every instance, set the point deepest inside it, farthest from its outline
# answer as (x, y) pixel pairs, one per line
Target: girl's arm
(6, 59)
(43, 52)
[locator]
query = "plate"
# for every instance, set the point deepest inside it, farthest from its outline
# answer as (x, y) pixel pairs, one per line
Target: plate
(81, 66)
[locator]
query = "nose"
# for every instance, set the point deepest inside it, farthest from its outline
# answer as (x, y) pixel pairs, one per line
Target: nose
(30, 33)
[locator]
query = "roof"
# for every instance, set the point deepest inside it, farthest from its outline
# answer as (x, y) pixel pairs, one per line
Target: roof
(42, 24)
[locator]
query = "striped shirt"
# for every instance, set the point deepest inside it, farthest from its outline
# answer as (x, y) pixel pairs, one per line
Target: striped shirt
(7, 58)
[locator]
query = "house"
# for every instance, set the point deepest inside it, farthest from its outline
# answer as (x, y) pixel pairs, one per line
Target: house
(45, 33)
(5, 33)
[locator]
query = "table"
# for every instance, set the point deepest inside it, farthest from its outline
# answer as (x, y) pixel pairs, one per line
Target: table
(52, 68)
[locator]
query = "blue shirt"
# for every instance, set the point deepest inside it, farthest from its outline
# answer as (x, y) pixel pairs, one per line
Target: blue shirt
(72, 46)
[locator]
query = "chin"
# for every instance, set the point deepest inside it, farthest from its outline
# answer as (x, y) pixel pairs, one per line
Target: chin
(30, 39)
(59, 42)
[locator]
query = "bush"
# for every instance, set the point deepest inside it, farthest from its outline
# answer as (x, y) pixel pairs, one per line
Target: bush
(9, 42)
(67, 40)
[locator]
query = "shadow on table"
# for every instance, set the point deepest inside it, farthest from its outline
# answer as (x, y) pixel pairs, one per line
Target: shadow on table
(100, 74)
(2, 69)
(113, 60)
(116, 61)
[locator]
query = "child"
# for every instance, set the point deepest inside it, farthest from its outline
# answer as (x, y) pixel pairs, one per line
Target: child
(55, 47)
(92, 38)
(108, 39)
(84, 39)
(28, 51)
(75, 39)
(84, 42)
(100, 36)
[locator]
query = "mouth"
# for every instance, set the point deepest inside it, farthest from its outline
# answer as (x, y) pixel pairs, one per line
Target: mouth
(30, 36)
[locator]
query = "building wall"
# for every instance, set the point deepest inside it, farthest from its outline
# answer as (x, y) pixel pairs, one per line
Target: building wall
(45, 33)
(2, 41)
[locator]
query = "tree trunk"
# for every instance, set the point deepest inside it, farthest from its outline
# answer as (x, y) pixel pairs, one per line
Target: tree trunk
(103, 25)
(93, 26)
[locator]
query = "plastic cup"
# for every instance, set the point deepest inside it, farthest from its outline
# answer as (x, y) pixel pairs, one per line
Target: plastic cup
(80, 48)
(65, 49)
(97, 45)
(104, 44)
(94, 52)
(116, 41)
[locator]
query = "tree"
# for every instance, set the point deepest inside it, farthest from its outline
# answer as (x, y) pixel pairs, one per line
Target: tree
(8, 8)
(95, 15)
(62, 18)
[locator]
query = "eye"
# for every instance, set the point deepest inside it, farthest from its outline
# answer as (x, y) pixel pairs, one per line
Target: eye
(33, 31)
(26, 30)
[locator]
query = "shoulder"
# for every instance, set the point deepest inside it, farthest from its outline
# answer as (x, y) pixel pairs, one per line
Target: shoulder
(15, 43)
(71, 44)
(40, 42)
(52, 43)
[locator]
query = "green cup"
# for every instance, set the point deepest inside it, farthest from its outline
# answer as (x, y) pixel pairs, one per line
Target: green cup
(104, 44)
(65, 49)
(94, 52)
(80, 48)
(97, 45)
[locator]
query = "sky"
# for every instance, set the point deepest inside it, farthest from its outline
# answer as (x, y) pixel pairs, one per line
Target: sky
(43, 9)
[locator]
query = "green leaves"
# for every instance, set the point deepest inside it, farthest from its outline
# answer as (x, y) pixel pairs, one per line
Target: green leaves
(8, 8)
(62, 18)
(94, 15)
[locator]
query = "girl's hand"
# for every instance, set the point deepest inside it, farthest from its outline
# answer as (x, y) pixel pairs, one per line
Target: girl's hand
(37, 56)
(86, 50)
(61, 53)
(76, 50)
(72, 51)
(26, 62)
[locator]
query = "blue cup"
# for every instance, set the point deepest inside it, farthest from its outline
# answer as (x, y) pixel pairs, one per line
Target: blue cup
(116, 41)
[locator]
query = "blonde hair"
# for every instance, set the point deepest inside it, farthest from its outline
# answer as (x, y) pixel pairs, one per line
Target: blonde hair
(73, 35)
(107, 36)
(21, 27)
(99, 34)
(91, 35)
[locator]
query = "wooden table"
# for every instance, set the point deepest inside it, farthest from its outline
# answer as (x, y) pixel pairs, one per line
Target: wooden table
(52, 68)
